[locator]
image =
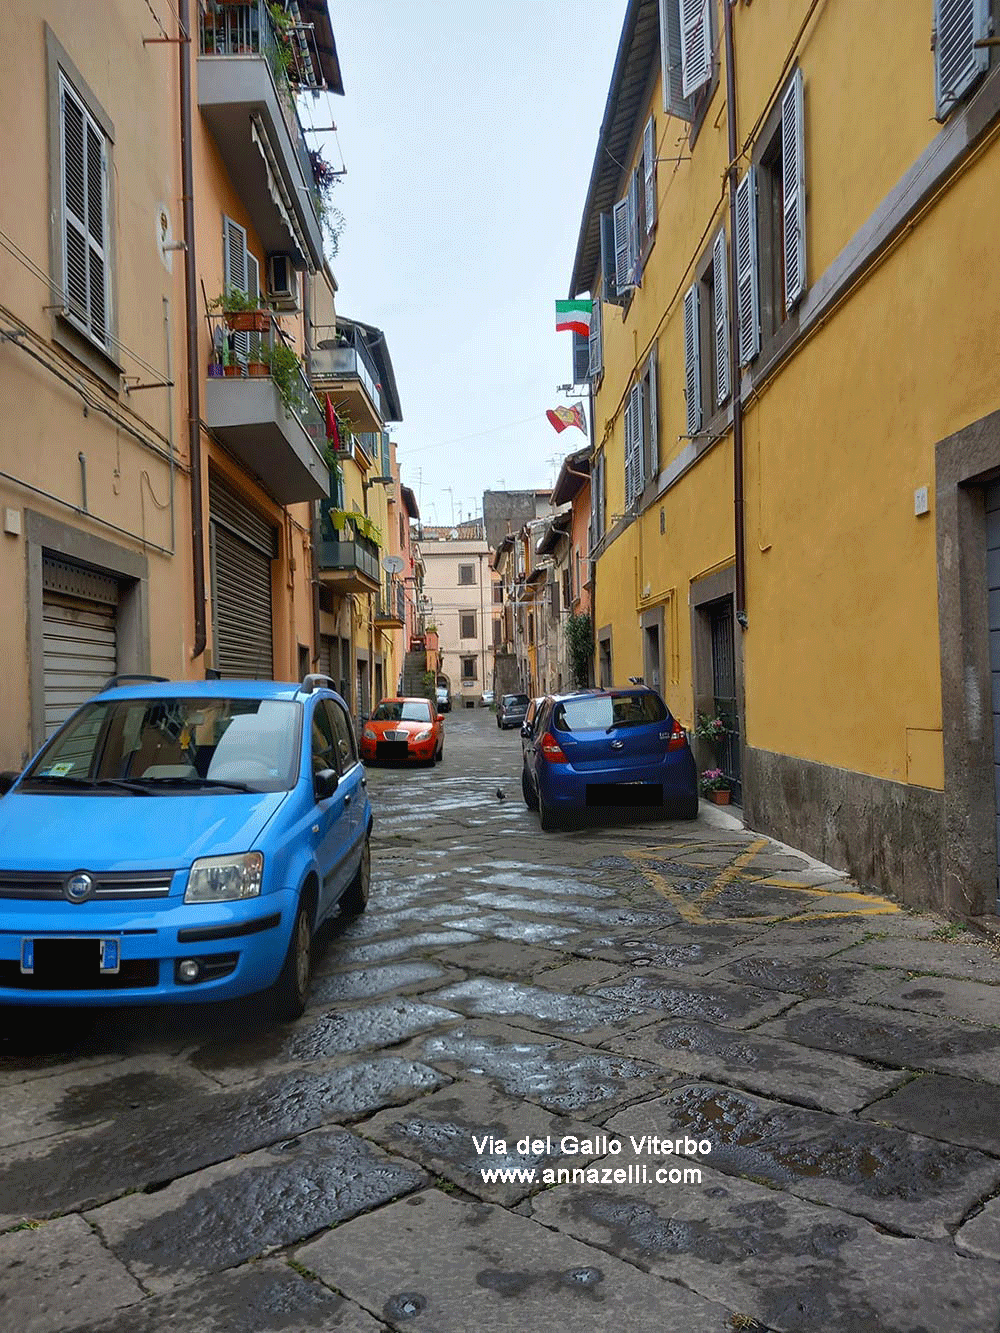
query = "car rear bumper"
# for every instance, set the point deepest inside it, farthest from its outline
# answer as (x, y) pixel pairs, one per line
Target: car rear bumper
(240, 948)
(562, 785)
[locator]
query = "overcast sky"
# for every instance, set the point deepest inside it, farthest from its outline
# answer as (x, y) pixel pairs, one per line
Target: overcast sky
(468, 132)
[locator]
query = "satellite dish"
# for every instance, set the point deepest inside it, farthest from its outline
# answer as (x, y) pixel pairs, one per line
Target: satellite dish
(392, 564)
(454, 533)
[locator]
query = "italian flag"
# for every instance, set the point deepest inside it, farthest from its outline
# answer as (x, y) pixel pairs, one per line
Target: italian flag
(574, 315)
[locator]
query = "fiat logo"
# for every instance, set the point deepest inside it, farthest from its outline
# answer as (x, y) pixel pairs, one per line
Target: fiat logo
(78, 887)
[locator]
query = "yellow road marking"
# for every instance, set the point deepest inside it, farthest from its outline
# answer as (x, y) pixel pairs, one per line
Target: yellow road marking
(732, 870)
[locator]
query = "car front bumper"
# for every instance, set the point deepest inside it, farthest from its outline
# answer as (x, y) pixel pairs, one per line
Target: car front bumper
(240, 947)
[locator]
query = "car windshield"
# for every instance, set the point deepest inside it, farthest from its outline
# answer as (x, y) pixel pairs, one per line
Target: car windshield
(402, 710)
(194, 744)
(515, 701)
(605, 712)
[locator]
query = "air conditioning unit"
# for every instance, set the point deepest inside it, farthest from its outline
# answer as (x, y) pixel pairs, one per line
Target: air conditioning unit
(282, 281)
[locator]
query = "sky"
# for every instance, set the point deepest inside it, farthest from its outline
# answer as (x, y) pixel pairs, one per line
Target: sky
(468, 133)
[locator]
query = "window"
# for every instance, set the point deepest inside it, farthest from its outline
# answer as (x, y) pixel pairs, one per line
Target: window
(689, 69)
(958, 62)
(85, 231)
(633, 220)
(343, 731)
(498, 594)
(567, 587)
(641, 430)
(468, 669)
(467, 625)
(241, 273)
(706, 338)
(597, 501)
(466, 575)
(497, 632)
(595, 343)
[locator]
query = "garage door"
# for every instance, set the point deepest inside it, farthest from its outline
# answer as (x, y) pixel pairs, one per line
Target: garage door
(242, 548)
(79, 637)
(993, 586)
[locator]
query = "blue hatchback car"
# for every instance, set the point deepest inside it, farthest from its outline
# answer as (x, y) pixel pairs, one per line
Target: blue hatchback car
(182, 841)
(607, 748)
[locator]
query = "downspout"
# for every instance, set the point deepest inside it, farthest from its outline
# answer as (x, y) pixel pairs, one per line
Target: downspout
(734, 333)
(191, 319)
(594, 499)
(314, 526)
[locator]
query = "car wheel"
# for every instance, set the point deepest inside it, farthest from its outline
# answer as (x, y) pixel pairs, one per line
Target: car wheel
(355, 900)
(440, 755)
(546, 819)
(530, 799)
(291, 990)
(687, 808)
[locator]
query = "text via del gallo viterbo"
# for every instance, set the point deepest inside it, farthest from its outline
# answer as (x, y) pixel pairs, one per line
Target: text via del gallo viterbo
(645, 1165)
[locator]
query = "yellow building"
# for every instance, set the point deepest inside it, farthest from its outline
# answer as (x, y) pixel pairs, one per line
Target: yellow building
(818, 561)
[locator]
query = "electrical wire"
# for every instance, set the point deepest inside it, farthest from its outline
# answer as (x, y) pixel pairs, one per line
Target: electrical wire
(508, 425)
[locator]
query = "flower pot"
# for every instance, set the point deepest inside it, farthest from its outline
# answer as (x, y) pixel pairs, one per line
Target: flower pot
(257, 369)
(231, 372)
(247, 321)
(215, 371)
(719, 797)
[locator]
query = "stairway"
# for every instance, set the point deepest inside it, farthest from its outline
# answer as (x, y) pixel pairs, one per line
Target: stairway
(414, 669)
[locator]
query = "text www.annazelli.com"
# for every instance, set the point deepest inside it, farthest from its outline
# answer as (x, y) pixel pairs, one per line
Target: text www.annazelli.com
(636, 1174)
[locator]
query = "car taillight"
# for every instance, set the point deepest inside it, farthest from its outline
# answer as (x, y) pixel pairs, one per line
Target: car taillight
(551, 749)
(678, 737)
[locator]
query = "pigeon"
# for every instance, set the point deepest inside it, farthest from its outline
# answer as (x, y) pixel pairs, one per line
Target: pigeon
(501, 795)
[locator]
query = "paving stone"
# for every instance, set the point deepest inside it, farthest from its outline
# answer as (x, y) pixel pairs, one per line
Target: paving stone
(508, 1275)
(794, 1265)
(93, 1166)
(373, 981)
(679, 996)
(941, 1107)
(892, 1037)
(809, 939)
(502, 958)
(267, 1297)
(381, 951)
(815, 980)
(53, 1275)
(541, 1009)
(762, 1064)
(981, 1234)
(502, 927)
(945, 997)
(227, 1214)
(446, 1131)
(561, 1076)
(574, 976)
(584, 885)
(913, 1185)
(967, 957)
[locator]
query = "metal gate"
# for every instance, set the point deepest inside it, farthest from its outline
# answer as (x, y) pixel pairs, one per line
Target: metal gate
(992, 497)
(242, 548)
(79, 637)
(724, 689)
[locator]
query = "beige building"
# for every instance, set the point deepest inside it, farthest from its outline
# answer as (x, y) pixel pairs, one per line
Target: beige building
(458, 600)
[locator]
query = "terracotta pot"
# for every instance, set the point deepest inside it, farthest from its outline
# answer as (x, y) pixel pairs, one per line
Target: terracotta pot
(231, 372)
(247, 321)
(719, 797)
(257, 369)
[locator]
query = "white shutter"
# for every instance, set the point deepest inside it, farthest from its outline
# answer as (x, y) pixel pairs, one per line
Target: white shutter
(720, 319)
(674, 101)
(692, 358)
(793, 171)
(649, 173)
(639, 443)
(633, 229)
(234, 265)
(633, 445)
(596, 339)
(623, 232)
(696, 44)
(958, 25)
(652, 408)
(609, 283)
(84, 200)
(253, 289)
(748, 290)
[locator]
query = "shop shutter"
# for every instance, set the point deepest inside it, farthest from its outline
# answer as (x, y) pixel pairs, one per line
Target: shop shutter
(692, 358)
(79, 637)
(242, 548)
(793, 170)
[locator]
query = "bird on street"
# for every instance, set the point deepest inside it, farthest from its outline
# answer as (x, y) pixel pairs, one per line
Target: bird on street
(501, 795)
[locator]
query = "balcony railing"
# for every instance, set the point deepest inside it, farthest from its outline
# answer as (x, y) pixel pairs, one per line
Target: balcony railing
(250, 354)
(349, 359)
(351, 557)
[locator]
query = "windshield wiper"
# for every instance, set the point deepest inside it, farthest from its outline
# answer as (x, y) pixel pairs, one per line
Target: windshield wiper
(123, 784)
(233, 784)
(62, 778)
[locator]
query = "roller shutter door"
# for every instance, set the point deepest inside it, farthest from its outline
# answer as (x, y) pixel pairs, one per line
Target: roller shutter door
(242, 548)
(79, 637)
(992, 497)
(329, 656)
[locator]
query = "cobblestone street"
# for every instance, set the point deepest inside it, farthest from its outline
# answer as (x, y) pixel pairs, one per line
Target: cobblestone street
(206, 1169)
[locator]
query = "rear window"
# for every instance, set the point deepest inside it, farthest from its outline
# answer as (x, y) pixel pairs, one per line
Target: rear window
(515, 700)
(603, 712)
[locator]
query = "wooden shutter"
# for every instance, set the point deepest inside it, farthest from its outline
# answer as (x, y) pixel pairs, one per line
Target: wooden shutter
(633, 445)
(652, 401)
(958, 25)
(85, 271)
(623, 244)
(596, 341)
(793, 171)
(748, 287)
(720, 319)
(609, 277)
(649, 174)
(633, 230)
(674, 101)
(581, 356)
(696, 44)
(692, 358)
(386, 465)
(235, 273)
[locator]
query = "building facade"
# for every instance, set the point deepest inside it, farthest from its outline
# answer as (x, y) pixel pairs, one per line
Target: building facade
(796, 427)
(458, 602)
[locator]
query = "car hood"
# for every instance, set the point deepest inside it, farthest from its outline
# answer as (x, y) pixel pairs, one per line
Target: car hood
(413, 727)
(64, 833)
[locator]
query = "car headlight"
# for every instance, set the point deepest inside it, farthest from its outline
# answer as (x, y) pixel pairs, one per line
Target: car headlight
(369, 735)
(423, 736)
(223, 879)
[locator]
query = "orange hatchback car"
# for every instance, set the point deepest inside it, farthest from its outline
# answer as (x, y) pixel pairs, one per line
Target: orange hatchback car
(404, 729)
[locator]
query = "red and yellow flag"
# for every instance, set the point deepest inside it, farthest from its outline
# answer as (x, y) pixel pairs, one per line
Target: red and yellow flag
(561, 417)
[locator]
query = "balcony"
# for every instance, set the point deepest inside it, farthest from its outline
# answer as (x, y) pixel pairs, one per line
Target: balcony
(247, 75)
(345, 369)
(390, 611)
(277, 433)
(347, 562)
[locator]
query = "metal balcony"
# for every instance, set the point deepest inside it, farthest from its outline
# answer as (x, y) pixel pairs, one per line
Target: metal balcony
(390, 612)
(347, 565)
(345, 369)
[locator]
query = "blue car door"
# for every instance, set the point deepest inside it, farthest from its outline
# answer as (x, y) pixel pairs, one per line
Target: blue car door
(332, 815)
(352, 776)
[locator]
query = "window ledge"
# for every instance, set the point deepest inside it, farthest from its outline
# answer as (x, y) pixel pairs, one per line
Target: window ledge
(89, 353)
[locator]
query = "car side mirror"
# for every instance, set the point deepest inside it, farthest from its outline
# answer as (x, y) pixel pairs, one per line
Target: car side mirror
(7, 781)
(325, 783)
(525, 731)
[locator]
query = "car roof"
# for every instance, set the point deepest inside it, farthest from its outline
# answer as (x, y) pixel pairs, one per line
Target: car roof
(612, 692)
(405, 699)
(206, 689)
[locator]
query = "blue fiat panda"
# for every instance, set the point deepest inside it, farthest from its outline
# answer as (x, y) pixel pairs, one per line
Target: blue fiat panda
(182, 841)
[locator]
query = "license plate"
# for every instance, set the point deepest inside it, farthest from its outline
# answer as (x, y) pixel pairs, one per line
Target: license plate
(624, 793)
(107, 953)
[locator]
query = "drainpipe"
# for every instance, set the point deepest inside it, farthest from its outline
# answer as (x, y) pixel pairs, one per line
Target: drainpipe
(191, 319)
(734, 335)
(314, 508)
(595, 671)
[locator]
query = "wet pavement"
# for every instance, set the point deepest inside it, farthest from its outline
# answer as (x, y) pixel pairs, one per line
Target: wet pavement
(711, 1084)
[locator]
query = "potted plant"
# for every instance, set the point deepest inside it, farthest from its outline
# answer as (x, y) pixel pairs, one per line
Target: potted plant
(244, 314)
(715, 786)
(285, 371)
(712, 729)
(231, 368)
(259, 360)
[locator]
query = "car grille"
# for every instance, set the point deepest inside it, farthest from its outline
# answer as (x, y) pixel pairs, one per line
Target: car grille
(107, 885)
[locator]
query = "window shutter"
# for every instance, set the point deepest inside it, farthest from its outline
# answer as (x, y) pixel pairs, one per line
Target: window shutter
(609, 276)
(674, 101)
(386, 465)
(793, 171)
(720, 319)
(602, 499)
(253, 340)
(581, 356)
(623, 233)
(958, 25)
(638, 442)
(235, 265)
(748, 290)
(696, 44)
(692, 358)
(84, 216)
(649, 174)
(596, 341)
(653, 412)
(633, 230)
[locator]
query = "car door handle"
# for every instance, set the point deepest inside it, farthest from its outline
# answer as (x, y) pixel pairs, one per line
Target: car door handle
(364, 782)
(347, 800)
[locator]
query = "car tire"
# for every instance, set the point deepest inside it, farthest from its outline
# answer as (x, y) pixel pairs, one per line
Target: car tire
(547, 821)
(687, 808)
(355, 898)
(439, 756)
(291, 990)
(530, 799)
